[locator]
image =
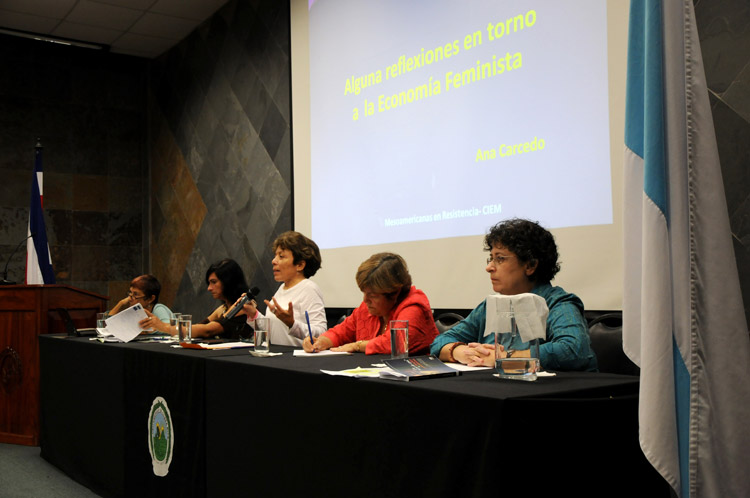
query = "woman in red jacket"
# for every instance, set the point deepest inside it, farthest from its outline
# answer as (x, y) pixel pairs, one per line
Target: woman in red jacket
(388, 295)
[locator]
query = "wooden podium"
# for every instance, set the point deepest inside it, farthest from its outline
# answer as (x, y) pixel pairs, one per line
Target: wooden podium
(26, 311)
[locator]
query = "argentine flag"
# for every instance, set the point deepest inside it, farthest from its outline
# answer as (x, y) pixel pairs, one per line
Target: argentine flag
(684, 322)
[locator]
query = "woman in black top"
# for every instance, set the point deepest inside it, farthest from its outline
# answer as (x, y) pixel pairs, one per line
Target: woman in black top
(226, 282)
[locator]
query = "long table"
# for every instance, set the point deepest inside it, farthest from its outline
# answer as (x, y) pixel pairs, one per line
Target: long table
(95, 405)
(279, 427)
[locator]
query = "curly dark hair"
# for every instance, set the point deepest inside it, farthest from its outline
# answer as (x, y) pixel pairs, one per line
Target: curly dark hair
(231, 276)
(530, 242)
(302, 249)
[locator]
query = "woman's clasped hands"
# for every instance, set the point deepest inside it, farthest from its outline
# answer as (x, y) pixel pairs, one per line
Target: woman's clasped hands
(476, 354)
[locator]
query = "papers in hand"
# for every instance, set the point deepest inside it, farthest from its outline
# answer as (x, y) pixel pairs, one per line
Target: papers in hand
(529, 310)
(124, 325)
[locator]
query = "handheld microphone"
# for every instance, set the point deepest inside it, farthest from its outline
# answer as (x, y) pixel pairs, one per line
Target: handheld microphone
(247, 297)
(5, 280)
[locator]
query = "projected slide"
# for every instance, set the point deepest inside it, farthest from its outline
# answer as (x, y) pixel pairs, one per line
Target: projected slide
(433, 119)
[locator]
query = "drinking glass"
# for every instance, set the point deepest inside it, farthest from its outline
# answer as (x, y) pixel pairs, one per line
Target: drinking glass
(515, 358)
(185, 328)
(261, 343)
(399, 338)
(174, 323)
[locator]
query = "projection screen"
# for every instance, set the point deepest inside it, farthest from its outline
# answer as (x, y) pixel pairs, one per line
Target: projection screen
(418, 125)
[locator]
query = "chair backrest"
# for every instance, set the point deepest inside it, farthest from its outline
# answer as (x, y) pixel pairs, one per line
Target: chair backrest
(70, 327)
(447, 320)
(335, 316)
(343, 316)
(605, 332)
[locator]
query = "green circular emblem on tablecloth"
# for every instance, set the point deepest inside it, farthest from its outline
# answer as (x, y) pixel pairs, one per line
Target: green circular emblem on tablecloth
(160, 436)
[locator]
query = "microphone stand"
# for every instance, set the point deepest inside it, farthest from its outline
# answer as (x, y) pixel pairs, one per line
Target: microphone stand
(5, 280)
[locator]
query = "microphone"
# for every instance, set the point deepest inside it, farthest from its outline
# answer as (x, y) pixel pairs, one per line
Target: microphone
(249, 295)
(5, 280)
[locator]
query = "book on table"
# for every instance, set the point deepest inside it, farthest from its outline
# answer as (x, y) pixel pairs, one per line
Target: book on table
(417, 367)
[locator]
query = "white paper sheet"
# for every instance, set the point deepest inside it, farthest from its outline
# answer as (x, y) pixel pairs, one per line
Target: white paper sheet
(124, 325)
(321, 354)
(465, 368)
(357, 372)
(226, 345)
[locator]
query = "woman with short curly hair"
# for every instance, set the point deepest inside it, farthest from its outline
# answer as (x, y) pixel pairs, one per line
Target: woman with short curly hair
(523, 259)
(296, 259)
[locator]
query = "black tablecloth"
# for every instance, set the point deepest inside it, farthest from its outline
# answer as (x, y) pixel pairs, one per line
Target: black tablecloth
(279, 427)
(95, 405)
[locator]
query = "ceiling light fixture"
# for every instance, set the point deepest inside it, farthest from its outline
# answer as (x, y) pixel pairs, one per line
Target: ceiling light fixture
(50, 39)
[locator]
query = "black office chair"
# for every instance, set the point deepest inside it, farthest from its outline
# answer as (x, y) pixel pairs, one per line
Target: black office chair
(446, 321)
(605, 332)
(70, 327)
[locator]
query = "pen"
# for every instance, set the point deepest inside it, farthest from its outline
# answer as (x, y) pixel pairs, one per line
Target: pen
(309, 329)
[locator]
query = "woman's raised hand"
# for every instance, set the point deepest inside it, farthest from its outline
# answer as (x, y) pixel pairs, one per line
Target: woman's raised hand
(285, 315)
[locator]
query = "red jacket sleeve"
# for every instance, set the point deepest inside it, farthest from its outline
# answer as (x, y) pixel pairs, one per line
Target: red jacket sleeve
(345, 332)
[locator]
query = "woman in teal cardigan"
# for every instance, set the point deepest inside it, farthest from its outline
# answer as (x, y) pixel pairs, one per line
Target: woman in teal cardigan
(523, 258)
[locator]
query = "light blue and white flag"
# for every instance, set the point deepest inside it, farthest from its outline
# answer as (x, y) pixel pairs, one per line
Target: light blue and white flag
(684, 322)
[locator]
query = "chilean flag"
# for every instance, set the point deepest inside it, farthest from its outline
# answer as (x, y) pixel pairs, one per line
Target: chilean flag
(38, 262)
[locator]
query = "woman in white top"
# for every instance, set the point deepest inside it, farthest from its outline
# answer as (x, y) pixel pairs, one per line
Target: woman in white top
(296, 259)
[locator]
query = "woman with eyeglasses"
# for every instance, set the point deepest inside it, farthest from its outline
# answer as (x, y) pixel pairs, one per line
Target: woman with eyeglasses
(523, 258)
(389, 295)
(145, 290)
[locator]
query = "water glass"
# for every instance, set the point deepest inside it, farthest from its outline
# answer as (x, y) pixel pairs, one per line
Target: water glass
(514, 358)
(262, 343)
(185, 328)
(399, 338)
(100, 320)
(174, 323)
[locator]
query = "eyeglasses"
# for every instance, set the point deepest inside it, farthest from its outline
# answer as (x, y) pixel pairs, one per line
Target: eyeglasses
(130, 294)
(498, 260)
